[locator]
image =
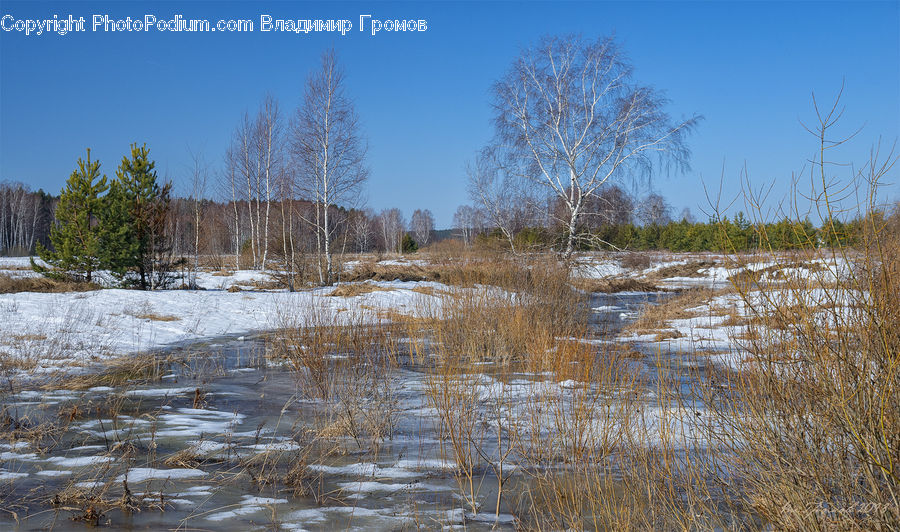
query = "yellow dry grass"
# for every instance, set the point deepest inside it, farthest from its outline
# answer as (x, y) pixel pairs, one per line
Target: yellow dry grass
(356, 289)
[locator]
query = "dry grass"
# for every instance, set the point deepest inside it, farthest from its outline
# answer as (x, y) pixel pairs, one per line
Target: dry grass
(636, 260)
(156, 317)
(11, 363)
(11, 285)
(356, 289)
(656, 316)
(430, 291)
(617, 284)
(130, 369)
(16, 338)
(820, 375)
(667, 335)
(690, 269)
(468, 271)
(519, 324)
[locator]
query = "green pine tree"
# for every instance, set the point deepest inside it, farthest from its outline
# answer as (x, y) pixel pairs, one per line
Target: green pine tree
(118, 246)
(147, 206)
(75, 237)
(408, 245)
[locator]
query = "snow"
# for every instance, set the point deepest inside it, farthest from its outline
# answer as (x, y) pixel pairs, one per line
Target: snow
(79, 461)
(369, 487)
(229, 279)
(67, 331)
(15, 263)
(10, 475)
(281, 446)
(231, 514)
(207, 447)
(265, 501)
(600, 270)
(141, 474)
(426, 464)
(823, 269)
(195, 491)
(53, 473)
(364, 470)
(193, 423)
(402, 262)
(18, 267)
(249, 504)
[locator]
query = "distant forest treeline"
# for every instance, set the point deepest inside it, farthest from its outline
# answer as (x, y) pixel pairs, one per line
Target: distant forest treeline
(224, 228)
(729, 235)
(26, 217)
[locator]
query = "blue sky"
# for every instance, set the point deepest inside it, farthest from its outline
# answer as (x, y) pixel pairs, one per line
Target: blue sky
(748, 67)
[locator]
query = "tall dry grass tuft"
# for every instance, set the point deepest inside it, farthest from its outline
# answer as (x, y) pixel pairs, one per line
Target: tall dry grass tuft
(346, 362)
(517, 314)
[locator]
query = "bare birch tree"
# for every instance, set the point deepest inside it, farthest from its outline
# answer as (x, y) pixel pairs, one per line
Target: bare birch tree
(268, 133)
(466, 222)
(422, 223)
(286, 186)
(329, 152)
(361, 228)
(24, 218)
(231, 185)
(199, 177)
(654, 210)
(242, 170)
(499, 194)
(392, 228)
(255, 159)
(569, 118)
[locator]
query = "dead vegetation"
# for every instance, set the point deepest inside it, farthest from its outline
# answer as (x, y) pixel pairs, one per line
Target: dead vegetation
(684, 305)
(119, 371)
(156, 317)
(689, 269)
(612, 285)
(468, 271)
(11, 285)
(356, 289)
(636, 260)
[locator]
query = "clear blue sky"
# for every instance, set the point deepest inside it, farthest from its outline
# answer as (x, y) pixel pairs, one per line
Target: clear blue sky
(748, 67)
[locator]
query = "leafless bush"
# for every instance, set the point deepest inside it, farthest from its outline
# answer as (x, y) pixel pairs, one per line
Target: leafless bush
(813, 415)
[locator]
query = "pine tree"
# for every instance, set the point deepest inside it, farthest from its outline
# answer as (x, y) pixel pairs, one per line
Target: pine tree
(148, 206)
(408, 244)
(118, 246)
(76, 234)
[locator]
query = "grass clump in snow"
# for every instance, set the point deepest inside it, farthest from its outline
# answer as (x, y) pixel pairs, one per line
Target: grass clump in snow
(12, 285)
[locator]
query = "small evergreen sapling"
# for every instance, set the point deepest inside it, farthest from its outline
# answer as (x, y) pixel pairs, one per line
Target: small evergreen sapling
(76, 235)
(408, 244)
